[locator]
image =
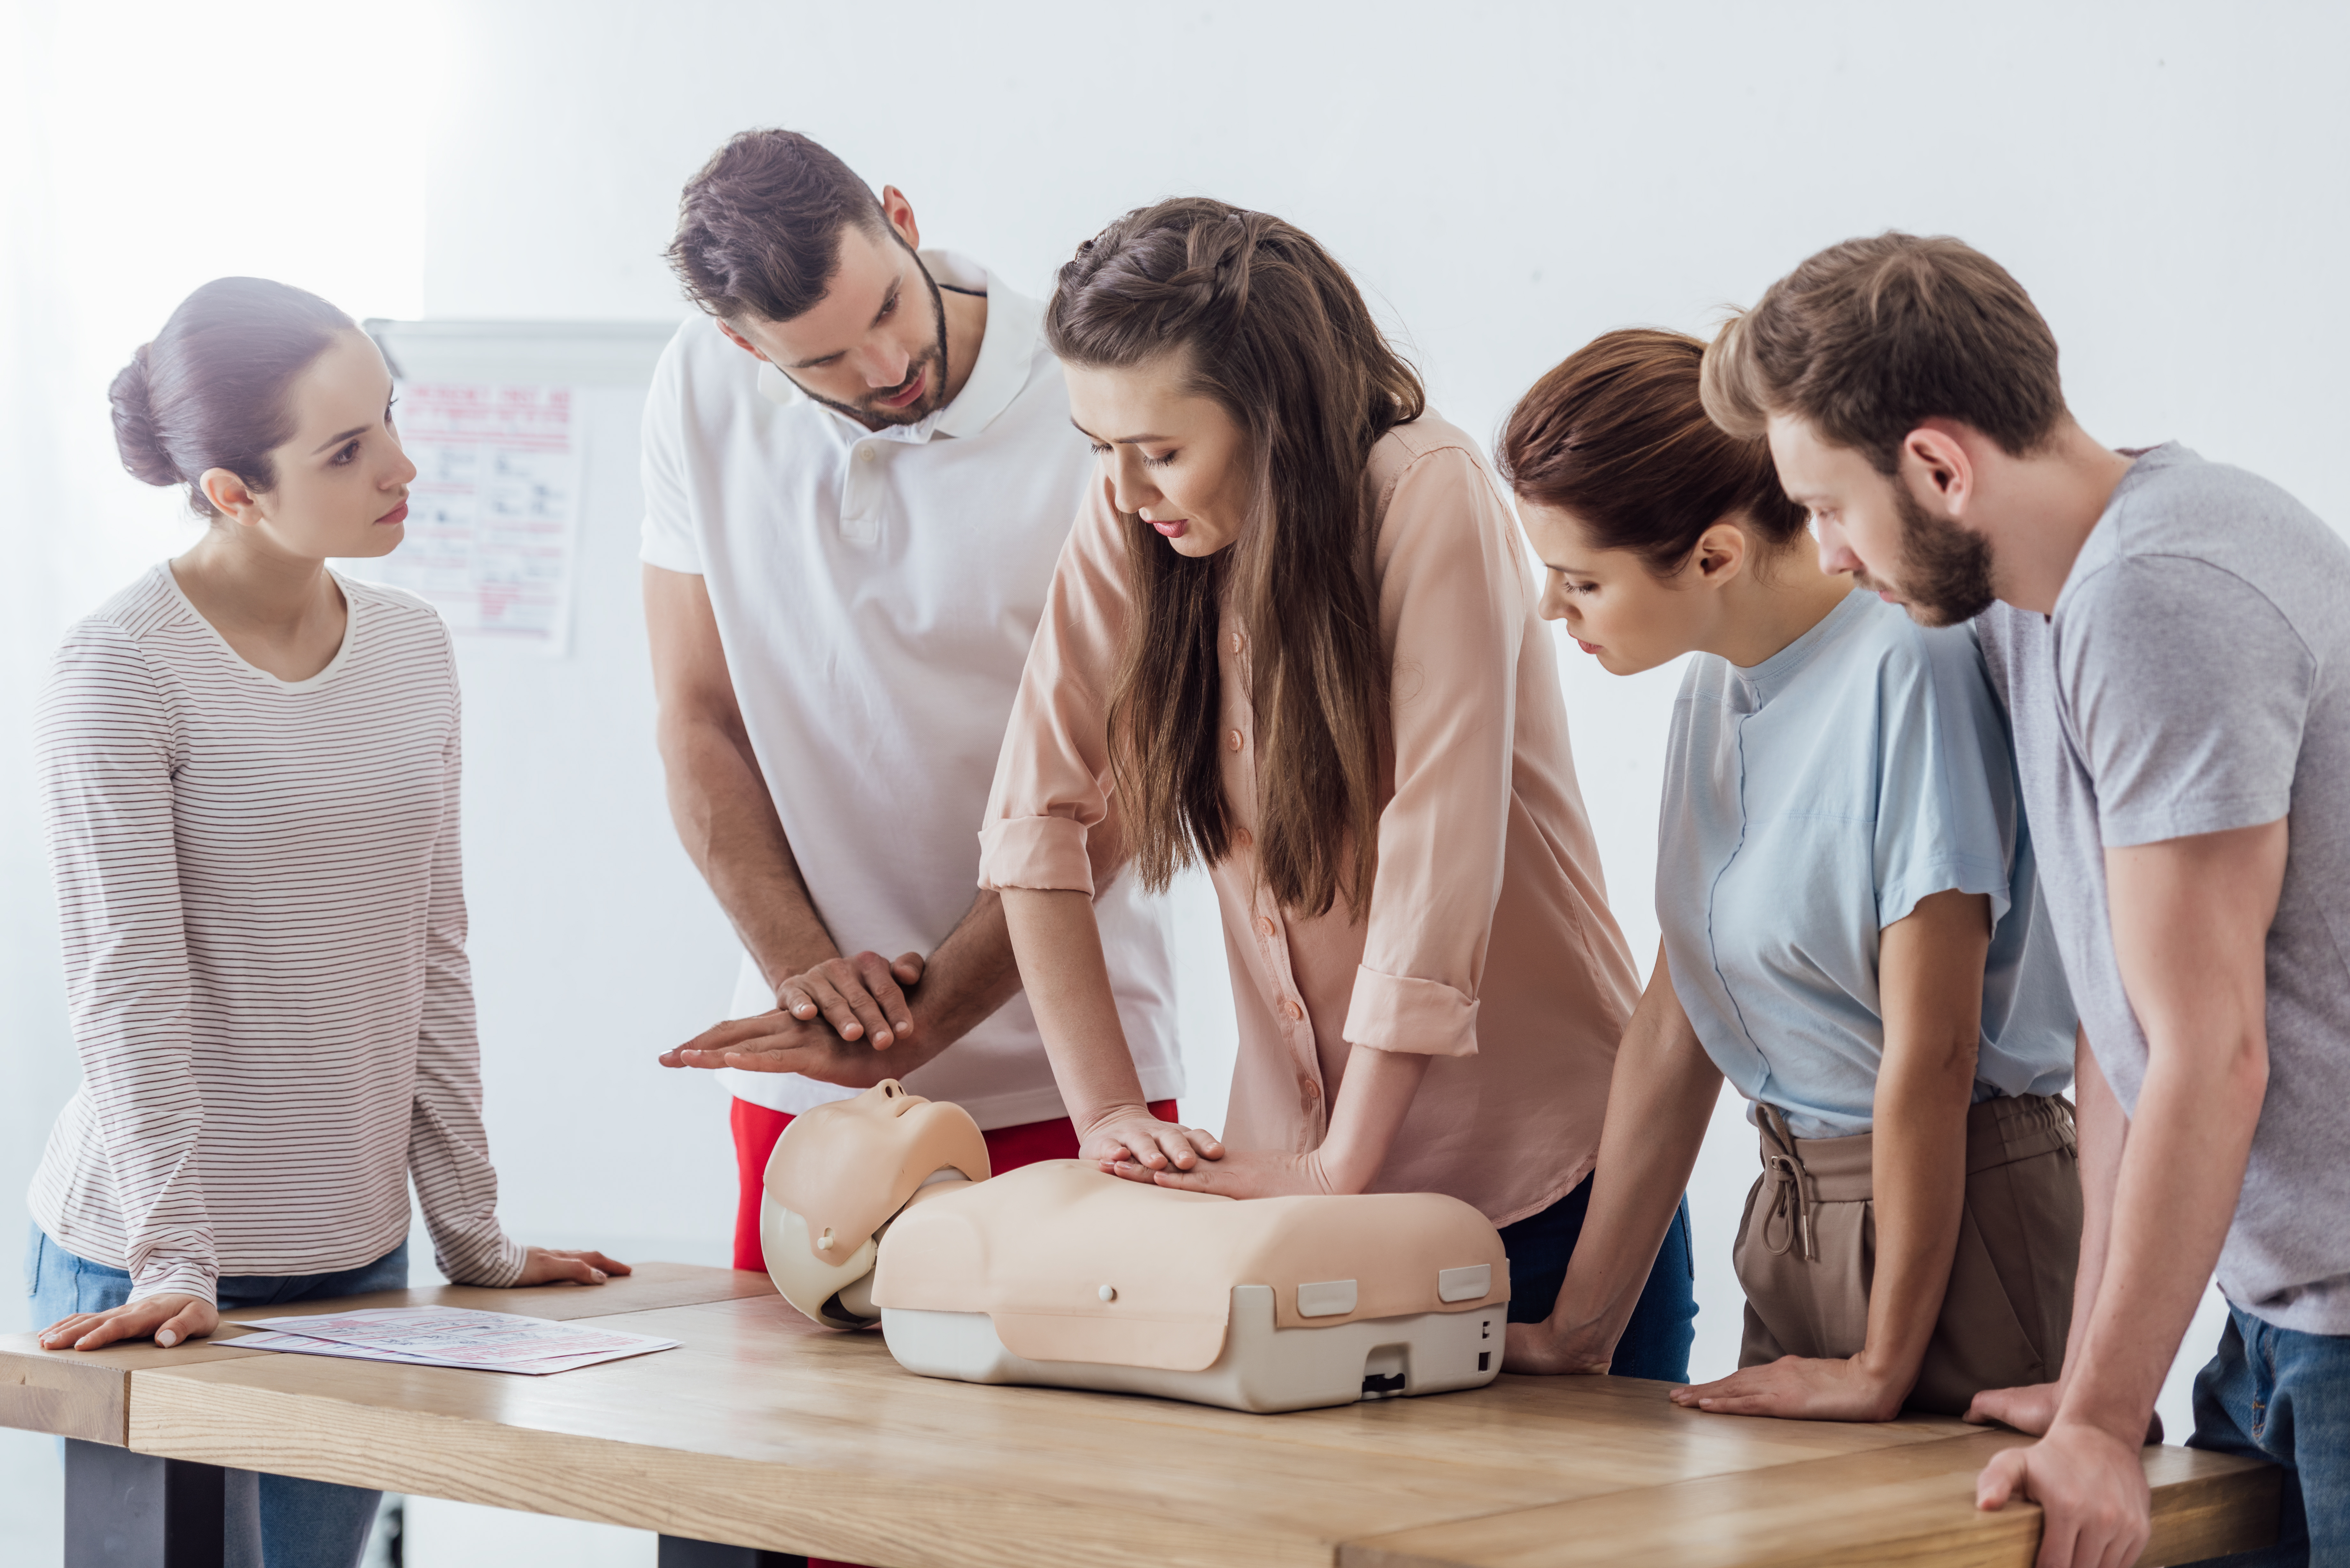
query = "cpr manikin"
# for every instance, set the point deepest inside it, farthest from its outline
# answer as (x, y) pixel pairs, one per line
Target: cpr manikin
(880, 1208)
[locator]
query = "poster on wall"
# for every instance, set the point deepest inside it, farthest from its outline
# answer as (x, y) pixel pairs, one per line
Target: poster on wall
(494, 513)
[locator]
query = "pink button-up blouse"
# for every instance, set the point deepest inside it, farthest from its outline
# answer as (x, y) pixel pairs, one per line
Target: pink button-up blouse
(1488, 946)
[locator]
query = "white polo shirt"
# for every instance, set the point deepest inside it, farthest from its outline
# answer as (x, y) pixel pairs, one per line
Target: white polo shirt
(876, 592)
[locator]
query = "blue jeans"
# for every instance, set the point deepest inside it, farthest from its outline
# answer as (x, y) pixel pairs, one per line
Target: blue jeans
(274, 1522)
(1656, 1343)
(2283, 1395)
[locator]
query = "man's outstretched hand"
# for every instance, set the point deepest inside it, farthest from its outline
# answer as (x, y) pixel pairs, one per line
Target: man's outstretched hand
(845, 1021)
(779, 1043)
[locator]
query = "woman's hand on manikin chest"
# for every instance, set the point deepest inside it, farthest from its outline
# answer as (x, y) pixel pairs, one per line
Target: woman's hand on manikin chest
(1253, 1173)
(1373, 1099)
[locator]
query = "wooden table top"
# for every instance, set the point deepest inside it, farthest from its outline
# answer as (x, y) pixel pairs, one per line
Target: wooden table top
(765, 1430)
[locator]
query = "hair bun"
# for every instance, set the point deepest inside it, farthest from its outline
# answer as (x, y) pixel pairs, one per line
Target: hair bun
(135, 436)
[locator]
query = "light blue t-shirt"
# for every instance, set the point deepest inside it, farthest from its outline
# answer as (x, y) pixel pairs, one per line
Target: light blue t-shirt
(1810, 802)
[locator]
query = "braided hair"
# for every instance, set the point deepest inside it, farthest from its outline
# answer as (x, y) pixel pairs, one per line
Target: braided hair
(1276, 332)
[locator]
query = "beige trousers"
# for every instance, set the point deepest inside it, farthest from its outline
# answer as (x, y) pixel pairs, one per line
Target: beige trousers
(1806, 1251)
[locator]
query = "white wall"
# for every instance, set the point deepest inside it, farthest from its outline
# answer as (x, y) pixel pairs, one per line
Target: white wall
(1505, 180)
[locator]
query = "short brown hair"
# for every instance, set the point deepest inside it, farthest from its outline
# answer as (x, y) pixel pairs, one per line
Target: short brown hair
(758, 230)
(1615, 434)
(1870, 338)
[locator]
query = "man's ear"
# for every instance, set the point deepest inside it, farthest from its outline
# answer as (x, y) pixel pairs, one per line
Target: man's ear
(740, 341)
(230, 495)
(900, 212)
(1938, 468)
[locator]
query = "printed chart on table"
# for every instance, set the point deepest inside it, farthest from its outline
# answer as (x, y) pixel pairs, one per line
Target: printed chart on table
(449, 1336)
(493, 514)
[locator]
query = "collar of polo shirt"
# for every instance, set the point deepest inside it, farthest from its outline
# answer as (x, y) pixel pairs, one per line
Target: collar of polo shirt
(1006, 357)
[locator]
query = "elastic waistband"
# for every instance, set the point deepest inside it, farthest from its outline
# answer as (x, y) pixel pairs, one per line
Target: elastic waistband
(1805, 1171)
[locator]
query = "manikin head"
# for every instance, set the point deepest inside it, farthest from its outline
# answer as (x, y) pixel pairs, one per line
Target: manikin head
(839, 1174)
(1654, 522)
(1232, 383)
(785, 245)
(275, 411)
(1896, 379)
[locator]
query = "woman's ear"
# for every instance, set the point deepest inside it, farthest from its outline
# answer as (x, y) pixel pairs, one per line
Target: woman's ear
(230, 495)
(1722, 553)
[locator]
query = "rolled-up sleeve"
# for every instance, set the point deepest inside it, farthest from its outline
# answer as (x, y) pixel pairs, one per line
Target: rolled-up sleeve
(1453, 605)
(1051, 819)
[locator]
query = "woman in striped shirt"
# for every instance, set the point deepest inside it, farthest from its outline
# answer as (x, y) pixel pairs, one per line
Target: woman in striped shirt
(249, 773)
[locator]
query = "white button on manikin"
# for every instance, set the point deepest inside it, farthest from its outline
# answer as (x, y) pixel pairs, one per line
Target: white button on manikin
(1325, 1298)
(1464, 1284)
(1108, 1292)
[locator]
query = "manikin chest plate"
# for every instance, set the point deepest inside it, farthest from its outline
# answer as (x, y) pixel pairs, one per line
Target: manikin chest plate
(1072, 1265)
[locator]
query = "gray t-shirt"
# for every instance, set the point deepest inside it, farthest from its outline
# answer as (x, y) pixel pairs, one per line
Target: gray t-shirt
(2195, 678)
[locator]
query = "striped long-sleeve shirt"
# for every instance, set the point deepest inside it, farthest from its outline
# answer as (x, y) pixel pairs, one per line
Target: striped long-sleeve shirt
(265, 950)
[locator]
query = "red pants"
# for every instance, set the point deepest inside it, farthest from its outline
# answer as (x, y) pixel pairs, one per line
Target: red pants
(756, 1128)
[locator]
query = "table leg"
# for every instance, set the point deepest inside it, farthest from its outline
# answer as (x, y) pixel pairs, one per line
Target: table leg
(677, 1552)
(136, 1510)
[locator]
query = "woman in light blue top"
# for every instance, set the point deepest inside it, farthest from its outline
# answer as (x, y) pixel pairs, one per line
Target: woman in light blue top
(1851, 933)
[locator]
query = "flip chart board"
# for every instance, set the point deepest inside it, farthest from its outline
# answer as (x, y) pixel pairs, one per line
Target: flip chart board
(493, 511)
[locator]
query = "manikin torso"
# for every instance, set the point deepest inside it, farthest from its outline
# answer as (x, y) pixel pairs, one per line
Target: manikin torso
(881, 1208)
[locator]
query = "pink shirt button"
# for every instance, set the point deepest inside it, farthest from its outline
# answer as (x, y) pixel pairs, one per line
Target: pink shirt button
(1235, 741)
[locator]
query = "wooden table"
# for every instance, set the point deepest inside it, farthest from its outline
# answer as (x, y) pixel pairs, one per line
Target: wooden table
(766, 1433)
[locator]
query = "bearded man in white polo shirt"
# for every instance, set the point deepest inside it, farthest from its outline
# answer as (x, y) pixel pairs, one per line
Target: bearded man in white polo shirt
(858, 471)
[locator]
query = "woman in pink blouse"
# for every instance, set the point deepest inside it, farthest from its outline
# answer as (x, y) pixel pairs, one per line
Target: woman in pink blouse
(1292, 638)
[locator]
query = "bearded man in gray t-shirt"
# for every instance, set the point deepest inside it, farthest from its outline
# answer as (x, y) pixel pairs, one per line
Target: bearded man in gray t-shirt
(2172, 641)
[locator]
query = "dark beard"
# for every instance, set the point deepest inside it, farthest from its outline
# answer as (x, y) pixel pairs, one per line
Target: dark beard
(933, 360)
(1945, 569)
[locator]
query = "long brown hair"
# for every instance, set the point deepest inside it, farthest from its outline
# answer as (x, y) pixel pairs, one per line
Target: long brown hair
(1276, 333)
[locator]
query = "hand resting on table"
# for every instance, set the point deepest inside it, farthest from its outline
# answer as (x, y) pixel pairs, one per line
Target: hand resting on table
(2033, 1409)
(175, 1319)
(1803, 1388)
(1545, 1349)
(167, 1319)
